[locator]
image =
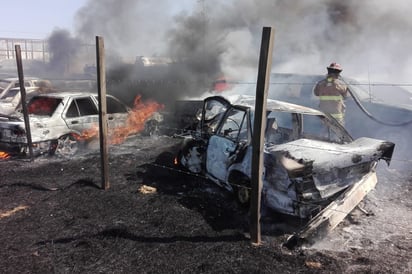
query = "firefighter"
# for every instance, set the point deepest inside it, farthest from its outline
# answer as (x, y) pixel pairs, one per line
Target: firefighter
(331, 92)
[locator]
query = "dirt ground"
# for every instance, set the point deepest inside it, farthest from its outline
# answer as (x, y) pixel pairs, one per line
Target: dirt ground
(55, 218)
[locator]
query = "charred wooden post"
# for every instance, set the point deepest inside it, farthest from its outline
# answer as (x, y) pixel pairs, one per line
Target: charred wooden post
(265, 63)
(23, 100)
(101, 88)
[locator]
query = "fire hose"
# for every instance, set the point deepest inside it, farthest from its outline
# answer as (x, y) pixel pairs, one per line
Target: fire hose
(367, 113)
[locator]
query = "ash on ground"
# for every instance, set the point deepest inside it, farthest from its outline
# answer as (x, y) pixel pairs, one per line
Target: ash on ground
(56, 218)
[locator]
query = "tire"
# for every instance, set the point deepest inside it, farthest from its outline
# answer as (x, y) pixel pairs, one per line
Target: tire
(191, 160)
(191, 156)
(243, 191)
(66, 146)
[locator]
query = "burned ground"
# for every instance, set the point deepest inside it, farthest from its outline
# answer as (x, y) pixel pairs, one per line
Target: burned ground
(55, 218)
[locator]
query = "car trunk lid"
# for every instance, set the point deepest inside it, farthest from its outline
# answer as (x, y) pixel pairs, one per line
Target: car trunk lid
(333, 166)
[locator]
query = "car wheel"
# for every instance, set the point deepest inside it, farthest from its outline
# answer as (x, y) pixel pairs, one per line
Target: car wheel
(243, 192)
(66, 146)
(191, 160)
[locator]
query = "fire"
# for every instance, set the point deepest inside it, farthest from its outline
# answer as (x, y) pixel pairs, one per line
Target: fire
(134, 124)
(4, 155)
(89, 133)
(136, 120)
(220, 84)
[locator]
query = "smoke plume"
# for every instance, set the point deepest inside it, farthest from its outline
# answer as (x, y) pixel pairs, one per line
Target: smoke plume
(209, 38)
(368, 38)
(64, 52)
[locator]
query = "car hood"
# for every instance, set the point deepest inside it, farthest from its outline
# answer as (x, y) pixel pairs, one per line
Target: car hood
(332, 166)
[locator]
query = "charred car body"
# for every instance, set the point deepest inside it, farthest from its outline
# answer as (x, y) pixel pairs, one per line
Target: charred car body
(309, 158)
(10, 100)
(59, 123)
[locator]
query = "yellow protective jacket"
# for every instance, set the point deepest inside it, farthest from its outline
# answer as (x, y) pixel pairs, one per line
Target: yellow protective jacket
(331, 92)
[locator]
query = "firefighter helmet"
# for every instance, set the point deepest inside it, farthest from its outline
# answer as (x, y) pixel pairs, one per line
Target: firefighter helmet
(335, 66)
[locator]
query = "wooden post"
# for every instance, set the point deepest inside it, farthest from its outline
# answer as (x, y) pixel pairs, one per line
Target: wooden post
(259, 125)
(101, 87)
(23, 100)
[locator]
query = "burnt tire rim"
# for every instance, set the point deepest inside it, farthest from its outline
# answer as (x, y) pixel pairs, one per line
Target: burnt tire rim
(66, 146)
(243, 195)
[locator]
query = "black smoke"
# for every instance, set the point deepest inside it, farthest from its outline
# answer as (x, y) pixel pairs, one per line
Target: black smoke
(64, 52)
(209, 38)
(139, 28)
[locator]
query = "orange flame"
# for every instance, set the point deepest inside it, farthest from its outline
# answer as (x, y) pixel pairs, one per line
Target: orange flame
(4, 155)
(89, 133)
(135, 122)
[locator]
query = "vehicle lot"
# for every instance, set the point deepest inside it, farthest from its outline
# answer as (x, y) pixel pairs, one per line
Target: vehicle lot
(152, 213)
(63, 222)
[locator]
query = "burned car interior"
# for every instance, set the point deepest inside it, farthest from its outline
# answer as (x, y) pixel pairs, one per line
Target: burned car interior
(282, 126)
(43, 106)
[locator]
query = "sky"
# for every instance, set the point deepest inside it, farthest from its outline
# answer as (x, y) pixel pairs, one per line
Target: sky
(41, 17)
(38, 18)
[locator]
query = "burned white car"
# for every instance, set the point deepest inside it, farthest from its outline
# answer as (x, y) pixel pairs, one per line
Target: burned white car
(59, 123)
(309, 159)
(10, 100)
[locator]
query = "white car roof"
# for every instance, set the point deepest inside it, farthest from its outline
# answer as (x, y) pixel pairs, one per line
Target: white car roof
(11, 79)
(275, 105)
(67, 93)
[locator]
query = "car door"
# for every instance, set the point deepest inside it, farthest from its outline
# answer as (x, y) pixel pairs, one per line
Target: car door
(117, 112)
(81, 114)
(222, 147)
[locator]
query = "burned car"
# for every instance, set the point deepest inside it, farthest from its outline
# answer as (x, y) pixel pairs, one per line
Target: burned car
(10, 100)
(59, 123)
(309, 158)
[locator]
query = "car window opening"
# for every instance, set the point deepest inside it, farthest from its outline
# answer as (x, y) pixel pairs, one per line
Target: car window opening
(44, 106)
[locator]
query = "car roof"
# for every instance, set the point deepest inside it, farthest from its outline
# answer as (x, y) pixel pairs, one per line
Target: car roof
(271, 104)
(62, 94)
(11, 79)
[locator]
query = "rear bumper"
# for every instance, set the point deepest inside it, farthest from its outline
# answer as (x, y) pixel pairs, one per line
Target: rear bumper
(22, 148)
